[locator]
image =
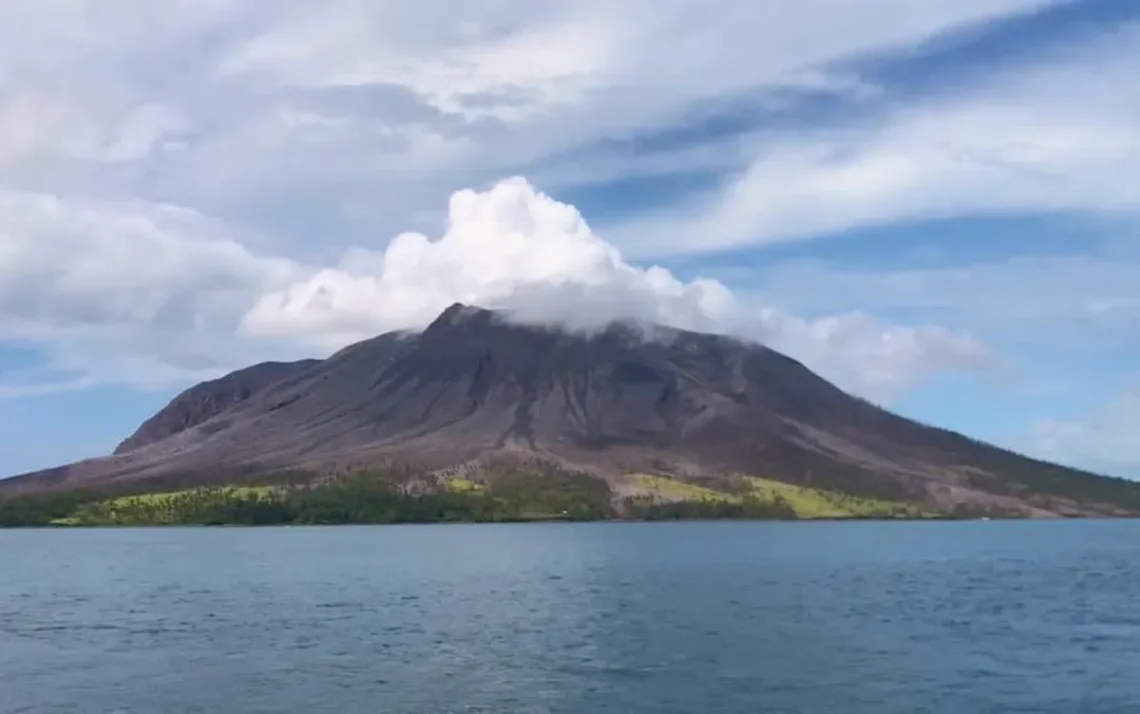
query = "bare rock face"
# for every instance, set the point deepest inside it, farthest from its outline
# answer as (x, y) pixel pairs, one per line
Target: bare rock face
(204, 401)
(475, 386)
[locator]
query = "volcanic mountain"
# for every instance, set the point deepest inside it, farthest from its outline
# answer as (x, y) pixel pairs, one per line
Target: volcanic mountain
(475, 387)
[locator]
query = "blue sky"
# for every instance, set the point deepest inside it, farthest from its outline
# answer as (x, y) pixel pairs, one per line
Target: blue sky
(933, 203)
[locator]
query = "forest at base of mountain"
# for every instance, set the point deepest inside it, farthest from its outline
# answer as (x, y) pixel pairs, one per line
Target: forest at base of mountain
(378, 497)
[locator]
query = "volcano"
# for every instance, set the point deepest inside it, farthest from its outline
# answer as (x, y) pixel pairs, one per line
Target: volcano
(476, 387)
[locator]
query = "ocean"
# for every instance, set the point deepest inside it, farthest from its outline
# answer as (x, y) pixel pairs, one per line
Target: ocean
(628, 618)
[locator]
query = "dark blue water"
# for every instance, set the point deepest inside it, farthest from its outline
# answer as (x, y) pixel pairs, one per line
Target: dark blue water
(623, 618)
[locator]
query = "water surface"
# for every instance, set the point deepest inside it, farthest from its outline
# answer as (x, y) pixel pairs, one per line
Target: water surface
(690, 618)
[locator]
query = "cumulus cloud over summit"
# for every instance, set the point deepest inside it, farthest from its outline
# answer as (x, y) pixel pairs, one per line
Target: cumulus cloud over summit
(509, 247)
(512, 247)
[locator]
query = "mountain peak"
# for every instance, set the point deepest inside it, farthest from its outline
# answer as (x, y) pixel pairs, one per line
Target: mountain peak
(461, 314)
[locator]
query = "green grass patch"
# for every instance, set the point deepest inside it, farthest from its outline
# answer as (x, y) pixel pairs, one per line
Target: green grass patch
(663, 488)
(752, 496)
(193, 505)
(165, 497)
(65, 521)
(462, 485)
(817, 503)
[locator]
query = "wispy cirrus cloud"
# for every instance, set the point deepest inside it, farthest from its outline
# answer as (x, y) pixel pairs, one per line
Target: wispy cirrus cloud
(1052, 134)
(231, 106)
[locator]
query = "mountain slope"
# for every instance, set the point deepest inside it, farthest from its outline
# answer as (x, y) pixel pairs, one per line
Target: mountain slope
(474, 388)
(209, 399)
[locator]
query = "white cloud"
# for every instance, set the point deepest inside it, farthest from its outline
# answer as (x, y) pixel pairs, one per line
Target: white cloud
(546, 54)
(510, 247)
(1105, 438)
(152, 295)
(1064, 324)
(515, 248)
(237, 107)
(1092, 294)
(36, 389)
(137, 293)
(1056, 135)
(870, 356)
(462, 64)
(455, 95)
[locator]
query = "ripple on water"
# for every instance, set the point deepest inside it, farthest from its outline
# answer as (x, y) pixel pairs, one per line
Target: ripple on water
(598, 619)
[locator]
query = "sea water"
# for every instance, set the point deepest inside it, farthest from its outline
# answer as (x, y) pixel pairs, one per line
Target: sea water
(693, 618)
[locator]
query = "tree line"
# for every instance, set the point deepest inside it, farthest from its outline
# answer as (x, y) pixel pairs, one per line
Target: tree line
(372, 498)
(356, 499)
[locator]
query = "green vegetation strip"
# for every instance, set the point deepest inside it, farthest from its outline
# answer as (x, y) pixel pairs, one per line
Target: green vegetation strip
(365, 498)
(816, 503)
(753, 497)
(507, 495)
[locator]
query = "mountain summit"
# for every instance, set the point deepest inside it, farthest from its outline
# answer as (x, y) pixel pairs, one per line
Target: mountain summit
(475, 387)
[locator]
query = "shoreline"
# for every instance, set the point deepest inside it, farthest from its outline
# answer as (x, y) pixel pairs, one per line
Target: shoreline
(547, 521)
